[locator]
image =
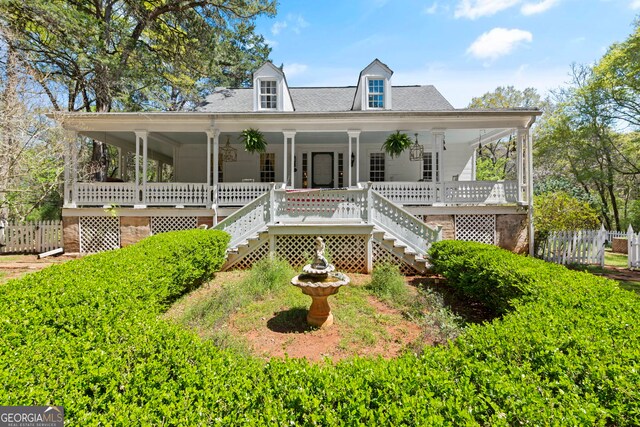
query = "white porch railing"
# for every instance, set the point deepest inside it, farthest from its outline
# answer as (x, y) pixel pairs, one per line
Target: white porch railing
(429, 193)
(409, 193)
(102, 193)
(240, 193)
(320, 205)
(248, 220)
(177, 193)
(404, 226)
(489, 192)
(336, 206)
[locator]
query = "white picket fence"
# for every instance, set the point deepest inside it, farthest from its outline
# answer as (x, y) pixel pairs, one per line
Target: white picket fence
(575, 247)
(633, 242)
(30, 237)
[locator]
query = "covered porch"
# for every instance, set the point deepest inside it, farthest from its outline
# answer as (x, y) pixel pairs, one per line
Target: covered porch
(172, 165)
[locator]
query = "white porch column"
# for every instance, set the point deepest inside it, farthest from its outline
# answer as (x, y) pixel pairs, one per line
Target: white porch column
(520, 140)
(141, 182)
(70, 171)
(354, 136)
(350, 181)
(529, 177)
(123, 165)
(213, 143)
(436, 165)
(288, 135)
(293, 160)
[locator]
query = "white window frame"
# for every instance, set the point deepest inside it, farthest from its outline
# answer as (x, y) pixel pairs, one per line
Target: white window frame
(266, 95)
(383, 94)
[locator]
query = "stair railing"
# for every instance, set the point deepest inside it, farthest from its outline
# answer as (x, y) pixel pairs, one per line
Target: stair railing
(401, 224)
(248, 220)
(365, 205)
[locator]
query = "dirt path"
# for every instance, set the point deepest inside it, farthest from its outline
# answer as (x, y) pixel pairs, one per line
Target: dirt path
(14, 266)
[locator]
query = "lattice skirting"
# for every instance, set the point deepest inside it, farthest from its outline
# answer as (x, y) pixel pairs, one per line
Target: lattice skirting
(162, 224)
(99, 233)
(382, 255)
(252, 257)
(476, 228)
(346, 252)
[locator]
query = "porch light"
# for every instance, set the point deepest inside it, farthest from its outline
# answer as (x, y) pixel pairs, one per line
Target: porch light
(416, 151)
(228, 153)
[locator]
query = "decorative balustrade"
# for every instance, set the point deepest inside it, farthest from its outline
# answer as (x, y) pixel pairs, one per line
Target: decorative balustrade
(486, 192)
(401, 224)
(409, 193)
(320, 205)
(240, 193)
(296, 204)
(104, 193)
(248, 220)
(177, 193)
(339, 206)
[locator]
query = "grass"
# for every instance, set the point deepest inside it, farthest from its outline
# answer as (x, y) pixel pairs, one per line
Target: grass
(9, 258)
(613, 259)
(373, 311)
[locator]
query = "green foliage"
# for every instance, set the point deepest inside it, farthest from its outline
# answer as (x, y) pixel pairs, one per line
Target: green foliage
(265, 276)
(87, 335)
(396, 143)
(559, 211)
(135, 55)
(509, 97)
(388, 284)
(253, 140)
(489, 170)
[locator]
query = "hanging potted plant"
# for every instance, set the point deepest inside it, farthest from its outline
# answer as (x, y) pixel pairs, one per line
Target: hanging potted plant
(396, 143)
(253, 140)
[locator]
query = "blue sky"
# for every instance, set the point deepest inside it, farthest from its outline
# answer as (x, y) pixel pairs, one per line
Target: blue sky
(463, 47)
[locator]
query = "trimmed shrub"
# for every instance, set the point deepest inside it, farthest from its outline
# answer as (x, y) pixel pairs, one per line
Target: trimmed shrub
(87, 335)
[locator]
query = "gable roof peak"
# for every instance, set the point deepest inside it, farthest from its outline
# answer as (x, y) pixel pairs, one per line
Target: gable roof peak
(379, 63)
(268, 65)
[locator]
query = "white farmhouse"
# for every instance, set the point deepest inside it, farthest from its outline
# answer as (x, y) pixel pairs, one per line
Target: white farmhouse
(324, 172)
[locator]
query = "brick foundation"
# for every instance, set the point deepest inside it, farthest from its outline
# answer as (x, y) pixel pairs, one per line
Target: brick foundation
(512, 233)
(133, 229)
(71, 234)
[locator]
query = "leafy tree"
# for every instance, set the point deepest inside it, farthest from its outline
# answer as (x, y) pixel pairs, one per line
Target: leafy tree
(496, 160)
(578, 138)
(618, 74)
(30, 149)
(558, 211)
(133, 54)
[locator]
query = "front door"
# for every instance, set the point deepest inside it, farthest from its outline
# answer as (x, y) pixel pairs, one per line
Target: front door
(322, 170)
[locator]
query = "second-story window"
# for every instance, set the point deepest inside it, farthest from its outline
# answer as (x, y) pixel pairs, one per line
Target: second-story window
(268, 95)
(375, 93)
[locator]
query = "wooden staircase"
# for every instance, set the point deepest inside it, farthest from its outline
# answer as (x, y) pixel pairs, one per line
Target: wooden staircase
(376, 228)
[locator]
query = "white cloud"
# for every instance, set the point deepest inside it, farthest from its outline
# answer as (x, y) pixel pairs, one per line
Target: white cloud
(539, 7)
(473, 9)
(297, 22)
(430, 10)
(635, 4)
(271, 43)
(294, 69)
(277, 27)
(498, 42)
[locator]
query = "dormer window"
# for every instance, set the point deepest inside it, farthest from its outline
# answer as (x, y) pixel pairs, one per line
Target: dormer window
(268, 95)
(375, 93)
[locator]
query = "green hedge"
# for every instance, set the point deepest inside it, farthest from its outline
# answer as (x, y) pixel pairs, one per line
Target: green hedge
(87, 335)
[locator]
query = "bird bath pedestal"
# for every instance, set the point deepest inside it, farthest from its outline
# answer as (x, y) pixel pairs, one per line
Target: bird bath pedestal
(320, 281)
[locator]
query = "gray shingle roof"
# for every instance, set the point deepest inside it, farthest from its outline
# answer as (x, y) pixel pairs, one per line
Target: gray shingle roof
(328, 99)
